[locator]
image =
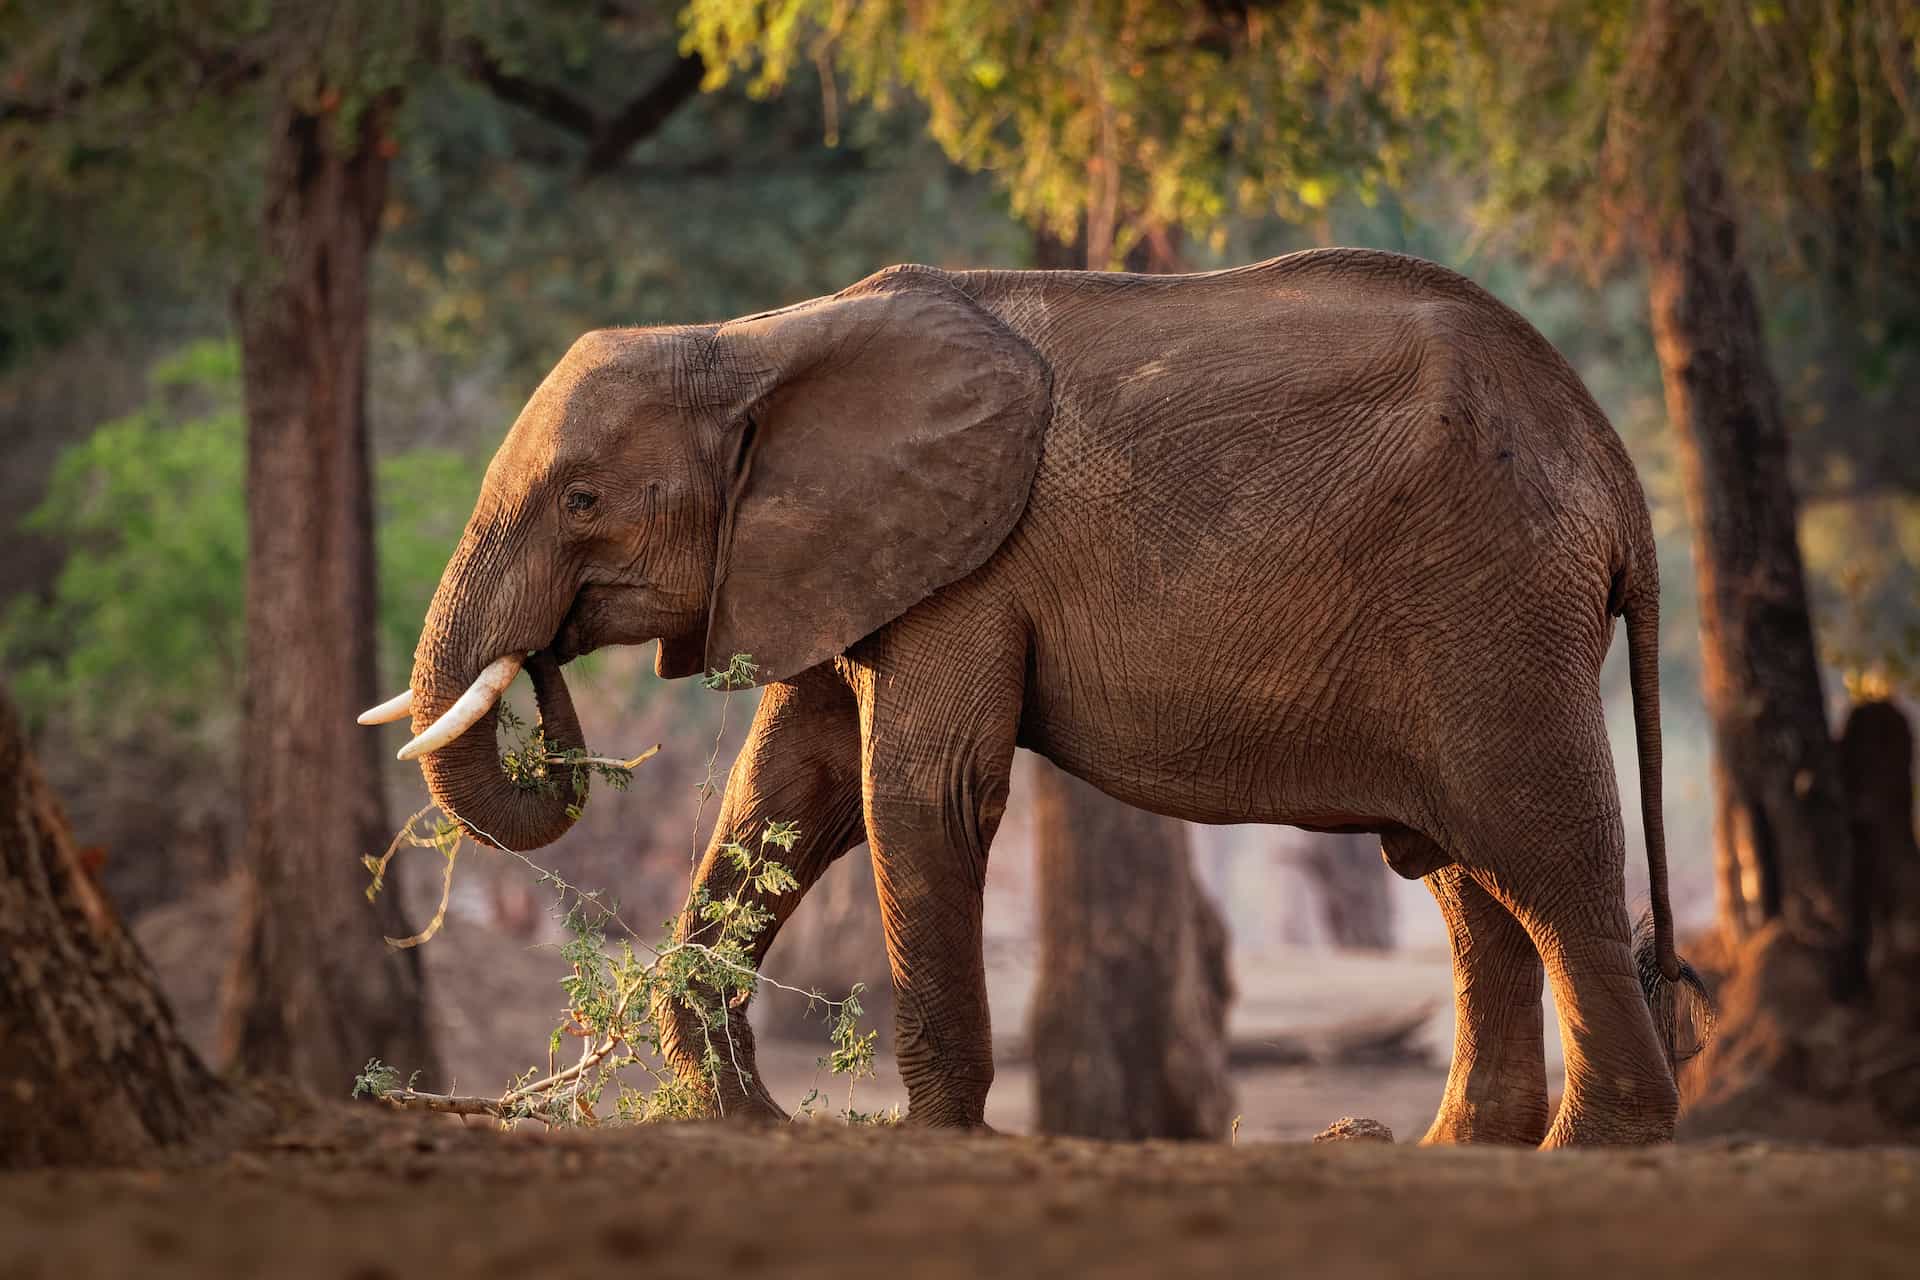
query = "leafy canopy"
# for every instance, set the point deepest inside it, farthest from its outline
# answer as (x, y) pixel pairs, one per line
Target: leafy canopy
(1122, 115)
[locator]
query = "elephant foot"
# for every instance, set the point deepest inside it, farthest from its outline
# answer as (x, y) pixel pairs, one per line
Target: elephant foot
(1519, 1122)
(1627, 1116)
(947, 1101)
(748, 1104)
(1622, 1099)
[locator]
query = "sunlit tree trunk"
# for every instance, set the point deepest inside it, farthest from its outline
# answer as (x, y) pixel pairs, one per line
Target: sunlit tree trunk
(1781, 832)
(314, 992)
(92, 1068)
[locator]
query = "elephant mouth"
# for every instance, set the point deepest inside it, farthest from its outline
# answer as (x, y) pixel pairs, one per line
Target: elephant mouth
(572, 639)
(602, 616)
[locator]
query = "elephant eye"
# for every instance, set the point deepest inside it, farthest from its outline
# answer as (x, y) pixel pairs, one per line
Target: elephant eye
(580, 500)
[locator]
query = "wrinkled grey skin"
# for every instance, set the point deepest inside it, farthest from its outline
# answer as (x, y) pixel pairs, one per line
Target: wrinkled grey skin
(1335, 540)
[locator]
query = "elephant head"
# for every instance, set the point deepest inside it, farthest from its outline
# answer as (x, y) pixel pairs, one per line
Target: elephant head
(779, 486)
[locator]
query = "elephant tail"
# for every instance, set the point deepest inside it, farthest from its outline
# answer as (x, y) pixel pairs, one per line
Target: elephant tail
(1673, 988)
(1643, 668)
(1675, 1002)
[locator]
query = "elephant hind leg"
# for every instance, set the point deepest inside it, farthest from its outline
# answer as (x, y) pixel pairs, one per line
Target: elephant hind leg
(1553, 857)
(1497, 1083)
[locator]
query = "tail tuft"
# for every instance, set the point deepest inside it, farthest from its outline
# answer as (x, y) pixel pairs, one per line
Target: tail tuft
(1682, 1008)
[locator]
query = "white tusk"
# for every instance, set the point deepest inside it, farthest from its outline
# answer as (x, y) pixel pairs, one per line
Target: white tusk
(464, 714)
(387, 712)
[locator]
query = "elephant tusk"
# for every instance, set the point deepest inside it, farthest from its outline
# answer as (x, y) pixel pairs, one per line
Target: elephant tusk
(473, 704)
(387, 712)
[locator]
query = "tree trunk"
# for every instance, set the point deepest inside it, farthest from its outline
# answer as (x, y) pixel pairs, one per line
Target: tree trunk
(1356, 898)
(1129, 1017)
(92, 1069)
(314, 992)
(1876, 760)
(1781, 834)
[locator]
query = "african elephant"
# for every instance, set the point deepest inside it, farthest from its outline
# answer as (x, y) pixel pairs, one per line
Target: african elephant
(1334, 540)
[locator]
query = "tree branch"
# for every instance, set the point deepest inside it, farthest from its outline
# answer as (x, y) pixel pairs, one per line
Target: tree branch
(642, 118)
(555, 106)
(608, 140)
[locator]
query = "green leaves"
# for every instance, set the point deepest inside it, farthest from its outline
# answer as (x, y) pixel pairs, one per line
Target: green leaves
(618, 999)
(144, 625)
(737, 674)
(1117, 115)
(375, 1079)
(144, 634)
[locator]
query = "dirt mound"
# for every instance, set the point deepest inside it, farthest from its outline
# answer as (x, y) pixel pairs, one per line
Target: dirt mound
(1791, 1063)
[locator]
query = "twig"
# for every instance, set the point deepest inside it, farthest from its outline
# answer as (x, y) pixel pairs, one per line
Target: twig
(443, 1103)
(607, 761)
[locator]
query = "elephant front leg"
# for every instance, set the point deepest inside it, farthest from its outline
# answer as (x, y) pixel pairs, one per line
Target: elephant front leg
(1497, 1084)
(800, 764)
(939, 712)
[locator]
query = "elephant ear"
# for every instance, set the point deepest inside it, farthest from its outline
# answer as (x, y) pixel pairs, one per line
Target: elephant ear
(888, 437)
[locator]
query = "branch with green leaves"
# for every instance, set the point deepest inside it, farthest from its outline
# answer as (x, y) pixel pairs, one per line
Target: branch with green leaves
(618, 996)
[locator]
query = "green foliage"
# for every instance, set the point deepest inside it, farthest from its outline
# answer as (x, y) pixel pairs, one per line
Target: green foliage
(1115, 115)
(144, 631)
(737, 674)
(702, 966)
(1571, 112)
(143, 627)
(375, 1079)
(421, 499)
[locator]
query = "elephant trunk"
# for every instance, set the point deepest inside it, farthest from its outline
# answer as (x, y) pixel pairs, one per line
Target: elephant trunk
(468, 779)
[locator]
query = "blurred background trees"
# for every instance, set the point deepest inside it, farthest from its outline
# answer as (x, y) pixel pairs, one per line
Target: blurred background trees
(364, 232)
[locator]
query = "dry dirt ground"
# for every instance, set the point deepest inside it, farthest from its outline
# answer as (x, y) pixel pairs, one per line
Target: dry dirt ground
(360, 1194)
(363, 1195)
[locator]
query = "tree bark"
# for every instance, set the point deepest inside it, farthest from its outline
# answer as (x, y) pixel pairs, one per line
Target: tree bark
(1129, 1017)
(1876, 760)
(1781, 833)
(92, 1068)
(314, 992)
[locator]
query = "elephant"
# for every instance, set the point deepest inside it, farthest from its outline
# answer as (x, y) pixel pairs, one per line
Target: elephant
(1334, 540)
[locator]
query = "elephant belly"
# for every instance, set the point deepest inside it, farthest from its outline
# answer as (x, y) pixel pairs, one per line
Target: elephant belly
(1310, 756)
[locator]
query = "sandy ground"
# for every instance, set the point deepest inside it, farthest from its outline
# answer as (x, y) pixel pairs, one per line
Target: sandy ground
(360, 1193)
(375, 1196)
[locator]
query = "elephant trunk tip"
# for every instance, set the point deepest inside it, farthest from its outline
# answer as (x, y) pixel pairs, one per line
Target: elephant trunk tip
(1682, 1008)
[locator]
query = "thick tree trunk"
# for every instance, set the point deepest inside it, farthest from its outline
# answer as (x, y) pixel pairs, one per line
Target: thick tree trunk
(1805, 1049)
(92, 1069)
(314, 992)
(1781, 832)
(1129, 1017)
